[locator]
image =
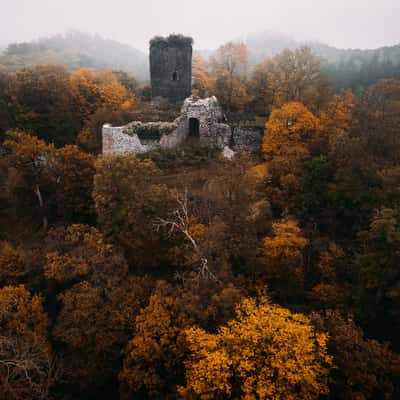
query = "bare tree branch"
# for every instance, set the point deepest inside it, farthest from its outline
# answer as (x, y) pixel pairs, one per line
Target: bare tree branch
(180, 222)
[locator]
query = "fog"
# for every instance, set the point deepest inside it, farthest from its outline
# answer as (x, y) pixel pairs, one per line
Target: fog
(341, 23)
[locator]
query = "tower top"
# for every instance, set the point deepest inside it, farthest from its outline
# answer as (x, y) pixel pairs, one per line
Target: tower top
(171, 40)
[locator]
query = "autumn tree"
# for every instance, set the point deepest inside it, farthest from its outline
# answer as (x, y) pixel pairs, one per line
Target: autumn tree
(90, 275)
(12, 266)
(154, 357)
(27, 369)
(224, 217)
(202, 82)
(45, 181)
(378, 118)
(329, 274)
(290, 76)
(229, 70)
(265, 352)
(128, 198)
(336, 116)
(94, 90)
(365, 368)
(43, 103)
(289, 133)
(282, 258)
(27, 165)
(94, 324)
(80, 252)
(261, 87)
(378, 272)
(74, 171)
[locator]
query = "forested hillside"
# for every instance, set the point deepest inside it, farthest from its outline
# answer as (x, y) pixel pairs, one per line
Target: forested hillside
(181, 274)
(346, 68)
(75, 50)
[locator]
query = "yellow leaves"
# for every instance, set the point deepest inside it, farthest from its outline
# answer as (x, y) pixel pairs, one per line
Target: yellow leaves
(288, 134)
(202, 83)
(99, 89)
(196, 230)
(11, 264)
(336, 117)
(22, 313)
(291, 119)
(287, 242)
(266, 352)
(61, 268)
(157, 342)
(26, 149)
(77, 251)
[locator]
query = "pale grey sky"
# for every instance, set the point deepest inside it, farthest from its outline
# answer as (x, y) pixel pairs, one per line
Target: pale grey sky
(342, 23)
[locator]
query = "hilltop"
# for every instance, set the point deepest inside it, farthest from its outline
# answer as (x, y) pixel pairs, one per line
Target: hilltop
(76, 50)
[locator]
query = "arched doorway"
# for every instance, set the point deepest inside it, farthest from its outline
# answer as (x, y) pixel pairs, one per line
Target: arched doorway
(194, 128)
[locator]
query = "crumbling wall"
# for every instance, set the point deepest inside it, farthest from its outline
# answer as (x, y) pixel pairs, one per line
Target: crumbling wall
(209, 114)
(138, 137)
(246, 138)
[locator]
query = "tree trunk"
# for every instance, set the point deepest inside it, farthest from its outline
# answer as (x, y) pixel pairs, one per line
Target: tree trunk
(41, 205)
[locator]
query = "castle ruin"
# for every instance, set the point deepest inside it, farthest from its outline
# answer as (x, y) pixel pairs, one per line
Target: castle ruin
(201, 121)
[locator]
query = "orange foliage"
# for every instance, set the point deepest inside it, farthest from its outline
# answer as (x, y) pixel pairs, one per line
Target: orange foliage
(288, 133)
(99, 89)
(282, 253)
(26, 363)
(266, 353)
(12, 266)
(154, 356)
(336, 117)
(202, 82)
(79, 250)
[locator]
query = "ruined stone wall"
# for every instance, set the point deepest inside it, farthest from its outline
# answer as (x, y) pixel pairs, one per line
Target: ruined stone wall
(128, 139)
(139, 137)
(209, 114)
(245, 138)
(171, 67)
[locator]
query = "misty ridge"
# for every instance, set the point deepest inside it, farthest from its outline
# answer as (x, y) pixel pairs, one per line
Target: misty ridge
(346, 68)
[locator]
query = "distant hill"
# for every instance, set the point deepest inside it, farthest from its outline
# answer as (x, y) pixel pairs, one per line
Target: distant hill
(76, 50)
(347, 68)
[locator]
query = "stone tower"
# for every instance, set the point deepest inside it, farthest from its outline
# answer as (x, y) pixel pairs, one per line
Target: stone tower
(171, 67)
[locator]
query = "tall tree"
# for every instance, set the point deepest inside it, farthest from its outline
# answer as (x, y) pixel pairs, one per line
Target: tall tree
(43, 103)
(290, 76)
(202, 82)
(27, 369)
(265, 352)
(229, 68)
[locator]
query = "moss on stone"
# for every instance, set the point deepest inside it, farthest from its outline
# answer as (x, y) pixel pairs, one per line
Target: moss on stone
(150, 130)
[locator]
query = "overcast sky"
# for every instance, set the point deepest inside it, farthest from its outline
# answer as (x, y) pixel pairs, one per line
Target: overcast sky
(342, 23)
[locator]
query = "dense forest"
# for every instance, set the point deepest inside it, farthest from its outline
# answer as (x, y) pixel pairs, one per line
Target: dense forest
(178, 274)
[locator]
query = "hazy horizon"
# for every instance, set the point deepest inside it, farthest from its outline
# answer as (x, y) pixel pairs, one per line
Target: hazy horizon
(344, 24)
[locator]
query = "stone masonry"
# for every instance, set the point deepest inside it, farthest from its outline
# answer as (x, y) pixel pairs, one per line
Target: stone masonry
(200, 121)
(171, 67)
